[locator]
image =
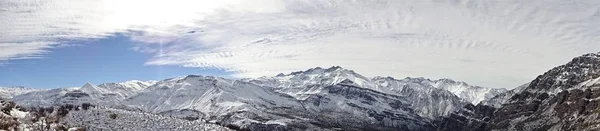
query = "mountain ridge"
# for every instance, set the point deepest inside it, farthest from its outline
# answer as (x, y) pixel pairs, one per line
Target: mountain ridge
(262, 102)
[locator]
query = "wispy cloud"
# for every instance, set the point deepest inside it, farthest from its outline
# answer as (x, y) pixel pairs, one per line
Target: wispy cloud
(495, 43)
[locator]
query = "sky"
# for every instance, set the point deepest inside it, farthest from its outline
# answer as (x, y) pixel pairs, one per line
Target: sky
(493, 43)
(96, 61)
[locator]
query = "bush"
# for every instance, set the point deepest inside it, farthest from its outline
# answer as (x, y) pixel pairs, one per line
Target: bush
(113, 116)
(69, 106)
(41, 111)
(9, 105)
(62, 111)
(86, 106)
(50, 110)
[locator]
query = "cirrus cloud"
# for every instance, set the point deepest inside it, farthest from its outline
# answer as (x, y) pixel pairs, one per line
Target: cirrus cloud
(498, 43)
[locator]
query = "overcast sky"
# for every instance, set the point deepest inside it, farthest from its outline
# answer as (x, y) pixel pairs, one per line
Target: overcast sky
(493, 43)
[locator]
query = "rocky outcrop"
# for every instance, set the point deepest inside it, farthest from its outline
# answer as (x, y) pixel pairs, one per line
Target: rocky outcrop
(563, 98)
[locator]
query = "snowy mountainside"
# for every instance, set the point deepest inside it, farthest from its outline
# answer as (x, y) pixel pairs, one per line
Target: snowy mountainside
(228, 102)
(104, 94)
(115, 91)
(198, 92)
(385, 111)
(431, 98)
(473, 94)
(50, 97)
(98, 119)
(497, 100)
(295, 83)
(9, 92)
(426, 100)
(249, 106)
(315, 99)
(302, 83)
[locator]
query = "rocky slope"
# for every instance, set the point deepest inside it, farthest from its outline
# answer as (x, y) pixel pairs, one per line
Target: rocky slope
(563, 98)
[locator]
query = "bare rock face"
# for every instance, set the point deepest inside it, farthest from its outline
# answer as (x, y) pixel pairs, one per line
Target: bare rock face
(564, 98)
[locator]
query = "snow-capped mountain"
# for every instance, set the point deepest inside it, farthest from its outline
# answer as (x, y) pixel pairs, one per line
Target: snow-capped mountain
(315, 99)
(249, 106)
(426, 100)
(228, 102)
(106, 94)
(497, 100)
(115, 91)
(428, 97)
(473, 94)
(304, 83)
(50, 97)
(10, 92)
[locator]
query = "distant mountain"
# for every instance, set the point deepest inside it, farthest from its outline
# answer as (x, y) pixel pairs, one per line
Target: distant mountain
(430, 98)
(10, 92)
(249, 106)
(45, 98)
(115, 91)
(315, 99)
(501, 98)
(472, 94)
(105, 94)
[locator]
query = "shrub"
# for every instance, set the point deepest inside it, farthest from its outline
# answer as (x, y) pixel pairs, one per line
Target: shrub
(8, 106)
(86, 106)
(69, 106)
(62, 111)
(113, 116)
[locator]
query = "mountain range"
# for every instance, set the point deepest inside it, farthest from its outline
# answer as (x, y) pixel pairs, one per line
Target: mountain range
(335, 98)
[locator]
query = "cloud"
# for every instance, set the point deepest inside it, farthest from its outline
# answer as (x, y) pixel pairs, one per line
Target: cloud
(499, 43)
(14, 51)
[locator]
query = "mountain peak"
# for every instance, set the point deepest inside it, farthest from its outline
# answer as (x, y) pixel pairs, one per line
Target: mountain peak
(578, 70)
(88, 85)
(347, 82)
(18, 87)
(319, 70)
(593, 55)
(192, 76)
(417, 79)
(559, 97)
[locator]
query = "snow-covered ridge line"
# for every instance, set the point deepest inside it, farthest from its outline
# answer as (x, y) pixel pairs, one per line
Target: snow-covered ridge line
(10, 92)
(280, 101)
(336, 74)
